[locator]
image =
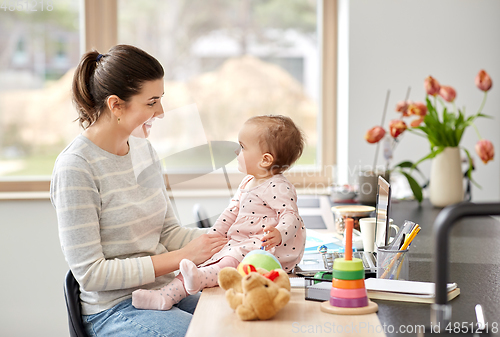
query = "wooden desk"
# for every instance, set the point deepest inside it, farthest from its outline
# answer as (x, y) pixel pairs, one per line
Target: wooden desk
(474, 266)
(214, 317)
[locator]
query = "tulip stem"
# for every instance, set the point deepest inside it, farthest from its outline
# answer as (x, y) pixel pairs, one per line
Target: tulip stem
(482, 103)
(477, 131)
(418, 133)
(383, 120)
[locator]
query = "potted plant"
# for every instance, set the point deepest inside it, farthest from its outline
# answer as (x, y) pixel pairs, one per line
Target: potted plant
(390, 141)
(444, 132)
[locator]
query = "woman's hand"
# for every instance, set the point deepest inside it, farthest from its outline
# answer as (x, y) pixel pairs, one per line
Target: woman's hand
(203, 247)
(272, 237)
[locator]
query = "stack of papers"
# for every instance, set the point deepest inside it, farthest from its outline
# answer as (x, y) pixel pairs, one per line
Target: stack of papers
(384, 289)
(406, 291)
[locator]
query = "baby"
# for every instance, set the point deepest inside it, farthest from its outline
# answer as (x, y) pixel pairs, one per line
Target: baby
(262, 214)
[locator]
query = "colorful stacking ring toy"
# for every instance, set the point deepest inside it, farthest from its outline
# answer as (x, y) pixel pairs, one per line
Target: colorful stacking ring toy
(348, 295)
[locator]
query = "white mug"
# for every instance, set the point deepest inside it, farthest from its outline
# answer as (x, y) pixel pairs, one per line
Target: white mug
(367, 226)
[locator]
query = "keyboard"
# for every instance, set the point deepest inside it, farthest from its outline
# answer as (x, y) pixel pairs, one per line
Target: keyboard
(313, 263)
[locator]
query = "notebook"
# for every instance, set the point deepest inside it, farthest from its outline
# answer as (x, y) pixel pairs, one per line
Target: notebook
(383, 289)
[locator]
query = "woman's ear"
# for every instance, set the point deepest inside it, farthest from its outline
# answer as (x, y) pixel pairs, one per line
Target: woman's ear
(115, 105)
(267, 160)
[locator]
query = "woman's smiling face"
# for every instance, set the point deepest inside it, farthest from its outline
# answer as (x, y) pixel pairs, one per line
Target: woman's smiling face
(142, 109)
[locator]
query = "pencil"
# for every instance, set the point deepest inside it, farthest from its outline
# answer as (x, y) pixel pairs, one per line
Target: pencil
(413, 233)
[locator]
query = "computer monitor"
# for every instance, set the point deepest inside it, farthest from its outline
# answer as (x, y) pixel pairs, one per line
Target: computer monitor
(383, 207)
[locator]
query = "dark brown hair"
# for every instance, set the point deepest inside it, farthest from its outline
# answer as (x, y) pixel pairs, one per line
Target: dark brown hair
(280, 137)
(120, 72)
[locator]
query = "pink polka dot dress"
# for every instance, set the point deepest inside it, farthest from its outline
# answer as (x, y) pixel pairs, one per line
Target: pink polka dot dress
(274, 203)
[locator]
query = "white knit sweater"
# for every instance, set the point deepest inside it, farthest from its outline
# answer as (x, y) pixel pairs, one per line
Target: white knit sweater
(111, 220)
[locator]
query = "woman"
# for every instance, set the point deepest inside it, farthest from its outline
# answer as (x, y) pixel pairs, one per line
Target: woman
(116, 234)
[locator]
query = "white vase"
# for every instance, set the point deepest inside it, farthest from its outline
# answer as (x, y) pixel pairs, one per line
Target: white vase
(446, 181)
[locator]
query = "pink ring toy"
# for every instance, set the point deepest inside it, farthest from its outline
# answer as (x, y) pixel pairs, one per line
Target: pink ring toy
(349, 302)
(348, 293)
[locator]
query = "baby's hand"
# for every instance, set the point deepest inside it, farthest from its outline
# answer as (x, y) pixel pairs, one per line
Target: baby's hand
(272, 237)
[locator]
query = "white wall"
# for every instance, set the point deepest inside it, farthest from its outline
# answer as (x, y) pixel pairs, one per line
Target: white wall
(393, 44)
(33, 269)
(33, 266)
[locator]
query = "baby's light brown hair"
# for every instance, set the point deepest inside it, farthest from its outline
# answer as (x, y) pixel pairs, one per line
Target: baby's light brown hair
(279, 136)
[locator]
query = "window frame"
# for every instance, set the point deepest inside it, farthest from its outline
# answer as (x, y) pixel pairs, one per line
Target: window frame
(99, 30)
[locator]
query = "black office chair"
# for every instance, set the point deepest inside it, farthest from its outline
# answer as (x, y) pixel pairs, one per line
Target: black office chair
(200, 216)
(72, 297)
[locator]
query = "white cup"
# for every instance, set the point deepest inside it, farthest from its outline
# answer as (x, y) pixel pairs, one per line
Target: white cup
(367, 226)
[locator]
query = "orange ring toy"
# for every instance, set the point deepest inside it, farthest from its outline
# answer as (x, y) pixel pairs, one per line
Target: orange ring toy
(348, 284)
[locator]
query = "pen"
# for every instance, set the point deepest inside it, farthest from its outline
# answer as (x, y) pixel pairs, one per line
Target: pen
(402, 241)
(410, 238)
(399, 268)
(405, 245)
(401, 264)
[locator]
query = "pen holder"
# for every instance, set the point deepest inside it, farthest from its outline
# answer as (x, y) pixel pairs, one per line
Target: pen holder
(392, 264)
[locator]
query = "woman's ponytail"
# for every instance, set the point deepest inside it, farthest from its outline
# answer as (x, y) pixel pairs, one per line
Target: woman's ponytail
(82, 95)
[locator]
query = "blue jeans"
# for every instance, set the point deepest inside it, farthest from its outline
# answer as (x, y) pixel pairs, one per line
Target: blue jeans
(125, 320)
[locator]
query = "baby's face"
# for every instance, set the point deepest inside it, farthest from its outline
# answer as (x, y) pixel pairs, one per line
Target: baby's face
(250, 155)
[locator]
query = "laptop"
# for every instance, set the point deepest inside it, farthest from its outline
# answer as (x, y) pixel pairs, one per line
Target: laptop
(383, 206)
(313, 263)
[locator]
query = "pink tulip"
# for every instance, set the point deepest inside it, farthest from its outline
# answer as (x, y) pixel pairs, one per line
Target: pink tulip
(416, 122)
(417, 109)
(397, 127)
(431, 86)
(375, 134)
(448, 93)
(483, 81)
(485, 150)
(402, 106)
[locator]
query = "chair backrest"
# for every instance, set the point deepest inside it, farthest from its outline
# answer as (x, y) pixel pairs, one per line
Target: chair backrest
(200, 217)
(72, 297)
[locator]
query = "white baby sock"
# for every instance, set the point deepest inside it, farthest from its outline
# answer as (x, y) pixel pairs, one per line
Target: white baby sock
(162, 299)
(195, 278)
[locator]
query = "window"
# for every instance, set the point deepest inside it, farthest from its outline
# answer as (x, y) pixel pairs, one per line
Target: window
(233, 59)
(38, 54)
(281, 60)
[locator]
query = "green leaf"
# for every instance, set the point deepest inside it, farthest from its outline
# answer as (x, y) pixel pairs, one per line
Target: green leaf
(413, 130)
(433, 129)
(434, 153)
(484, 115)
(471, 119)
(458, 134)
(406, 163)
(445, 117)
(415, 187)
(460, 120)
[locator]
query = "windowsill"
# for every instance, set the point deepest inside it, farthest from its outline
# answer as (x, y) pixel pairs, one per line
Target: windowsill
(200, 193)
(311, 180)
(5, 196)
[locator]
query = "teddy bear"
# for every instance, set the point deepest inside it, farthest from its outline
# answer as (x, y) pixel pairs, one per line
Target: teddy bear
(258, 294)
